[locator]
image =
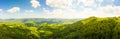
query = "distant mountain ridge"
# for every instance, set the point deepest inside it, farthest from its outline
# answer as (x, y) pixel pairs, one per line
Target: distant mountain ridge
(41, 20)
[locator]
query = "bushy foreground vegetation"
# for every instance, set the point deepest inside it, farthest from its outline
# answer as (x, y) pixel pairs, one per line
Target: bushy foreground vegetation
(90, 28)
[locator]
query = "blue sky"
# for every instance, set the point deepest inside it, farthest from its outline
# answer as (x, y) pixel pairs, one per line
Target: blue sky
(58, 8)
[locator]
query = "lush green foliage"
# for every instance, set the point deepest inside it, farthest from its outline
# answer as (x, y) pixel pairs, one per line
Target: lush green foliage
(90, 28)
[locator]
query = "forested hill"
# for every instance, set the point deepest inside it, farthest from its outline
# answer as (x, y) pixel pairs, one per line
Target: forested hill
(89, 28)
(94, 28)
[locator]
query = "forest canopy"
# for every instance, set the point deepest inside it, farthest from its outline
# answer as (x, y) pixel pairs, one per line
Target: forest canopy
(89, 28)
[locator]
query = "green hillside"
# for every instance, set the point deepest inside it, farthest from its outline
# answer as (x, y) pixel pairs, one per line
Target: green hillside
(94, 28)
(89, 28)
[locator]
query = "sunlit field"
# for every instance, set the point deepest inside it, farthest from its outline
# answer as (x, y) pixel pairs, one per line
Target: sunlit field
(59, 19)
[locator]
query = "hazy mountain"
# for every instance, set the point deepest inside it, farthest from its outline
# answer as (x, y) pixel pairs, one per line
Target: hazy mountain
(42, 20)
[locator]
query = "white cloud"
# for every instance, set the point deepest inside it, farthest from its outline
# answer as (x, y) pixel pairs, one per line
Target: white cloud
(35, 3)
(13, 10)
(59, 3)
(107, 11)
(73, 3)
(45, 10)
(1, 10)
(67, 9)
(60, 13)
(88, 2)
(110, 9)
(29, 11)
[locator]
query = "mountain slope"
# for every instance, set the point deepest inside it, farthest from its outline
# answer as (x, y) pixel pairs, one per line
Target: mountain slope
(94, 28)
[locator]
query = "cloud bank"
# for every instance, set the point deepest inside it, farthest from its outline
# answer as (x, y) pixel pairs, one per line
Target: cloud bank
(81, 9)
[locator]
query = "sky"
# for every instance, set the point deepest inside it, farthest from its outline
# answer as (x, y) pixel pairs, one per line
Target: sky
(58, 8)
